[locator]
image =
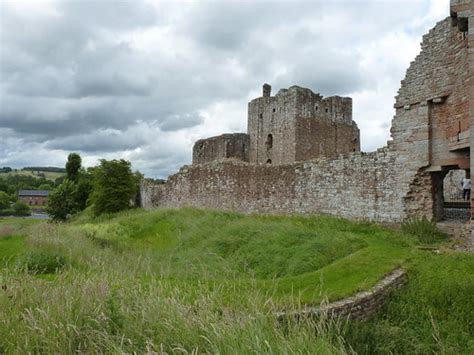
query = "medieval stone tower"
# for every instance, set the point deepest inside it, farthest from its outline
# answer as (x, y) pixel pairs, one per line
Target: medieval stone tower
(297, 124)
(294, 125)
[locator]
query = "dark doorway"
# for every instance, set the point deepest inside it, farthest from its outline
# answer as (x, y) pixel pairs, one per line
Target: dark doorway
(448, 196)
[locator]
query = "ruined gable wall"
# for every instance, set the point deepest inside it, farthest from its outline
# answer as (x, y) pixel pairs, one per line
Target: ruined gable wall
(432, 107)
(432, 100)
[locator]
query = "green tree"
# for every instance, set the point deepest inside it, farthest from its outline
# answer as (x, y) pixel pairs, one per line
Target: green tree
(4, 200)
(73, 166)
(83, 190)
(45, 187)
(61, 202)
(58, 181)
(3, 185)
(115, 186)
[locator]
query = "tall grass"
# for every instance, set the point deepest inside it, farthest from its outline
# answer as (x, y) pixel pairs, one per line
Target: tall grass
(434, 314)
(102, 311)
(194, 281)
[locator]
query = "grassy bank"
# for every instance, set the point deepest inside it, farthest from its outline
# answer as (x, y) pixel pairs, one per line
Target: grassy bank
(190, 280)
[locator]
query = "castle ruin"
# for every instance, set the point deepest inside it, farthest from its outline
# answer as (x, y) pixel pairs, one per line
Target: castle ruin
(294, 125)
(301, 153)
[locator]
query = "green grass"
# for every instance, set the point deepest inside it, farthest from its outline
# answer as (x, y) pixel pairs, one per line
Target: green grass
(10, 247)
(12, 241)
(433, 315)
(311, 257)
(204, 281)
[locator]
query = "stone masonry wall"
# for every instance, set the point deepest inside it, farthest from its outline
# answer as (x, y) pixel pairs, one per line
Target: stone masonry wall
(361, 306)
(431, 125)
(322, 138)
(356, 186)
(430, 130)
(271, 116)
(225, 146)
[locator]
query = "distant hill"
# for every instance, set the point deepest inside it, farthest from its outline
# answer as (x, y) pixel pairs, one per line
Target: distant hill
(50, 173)
(51, 169)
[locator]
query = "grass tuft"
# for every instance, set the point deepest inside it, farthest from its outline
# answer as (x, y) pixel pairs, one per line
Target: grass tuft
(42, 262)
(425, 230)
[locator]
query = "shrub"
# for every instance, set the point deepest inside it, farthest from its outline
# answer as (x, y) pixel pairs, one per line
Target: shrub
(43, 262)
(21, 209)
(425, 230)
(4, 200)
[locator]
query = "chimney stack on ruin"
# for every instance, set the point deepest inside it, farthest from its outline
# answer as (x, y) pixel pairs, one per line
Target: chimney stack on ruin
(267, 90)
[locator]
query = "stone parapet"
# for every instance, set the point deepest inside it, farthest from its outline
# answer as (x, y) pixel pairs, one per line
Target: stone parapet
(361, 306)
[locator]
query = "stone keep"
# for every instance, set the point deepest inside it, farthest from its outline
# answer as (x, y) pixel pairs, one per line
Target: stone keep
(297, 124)
(294, 125)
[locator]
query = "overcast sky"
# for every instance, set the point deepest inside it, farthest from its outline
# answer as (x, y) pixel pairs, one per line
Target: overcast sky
(142, 80)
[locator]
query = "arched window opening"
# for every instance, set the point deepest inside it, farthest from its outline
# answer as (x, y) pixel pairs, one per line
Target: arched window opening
(269, 142)
(269, 161)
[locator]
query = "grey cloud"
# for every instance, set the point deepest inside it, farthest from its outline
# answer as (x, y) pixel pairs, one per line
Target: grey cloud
(81, 79)
(177, 122)
(101, 141)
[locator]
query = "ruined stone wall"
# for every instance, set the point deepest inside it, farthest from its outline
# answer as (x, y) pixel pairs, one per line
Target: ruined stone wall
(225, 146)
(432, 124)
(459, 6)
(356, 186)
(430, 129)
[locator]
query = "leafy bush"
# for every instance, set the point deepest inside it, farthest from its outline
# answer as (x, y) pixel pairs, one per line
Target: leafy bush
(21, 209)
(43, 262)
(4, 200)
(425, 230)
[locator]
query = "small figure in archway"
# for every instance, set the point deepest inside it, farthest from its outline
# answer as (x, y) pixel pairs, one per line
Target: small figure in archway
(466, 187)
